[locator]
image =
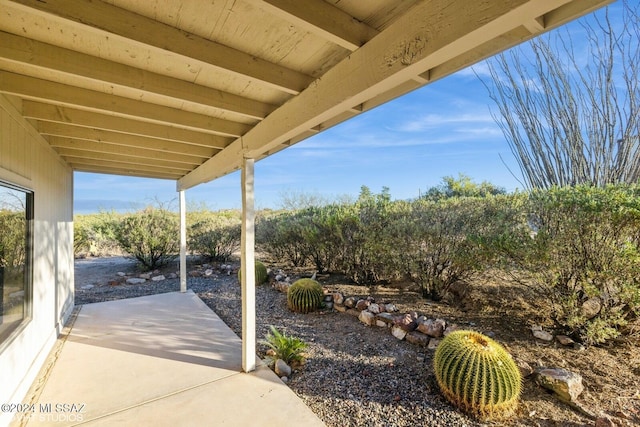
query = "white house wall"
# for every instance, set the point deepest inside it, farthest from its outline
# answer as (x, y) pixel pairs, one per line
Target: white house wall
(28, 161)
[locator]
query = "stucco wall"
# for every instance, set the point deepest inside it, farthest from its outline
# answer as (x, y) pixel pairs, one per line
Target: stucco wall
(27, 160)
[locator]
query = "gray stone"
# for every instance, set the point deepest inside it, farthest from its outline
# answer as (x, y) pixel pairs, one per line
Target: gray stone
(362, 304)
(338, 298)
(433, 328)
(172, 276)
(390, 308)
(417, 338)
(407, 322)
(565, 384)
(282, 369)
(158, 278)
(208, 272)
(350, 302)
(85, 287)
(135, 281)
(591, 307)
(328, 305)
(524, 367)
(542, 335)
(398, 332)
(374, 308)
(367, 318)
(387, 318)
(564, 340)
(145, 276)
(121, 274)
(284, 379)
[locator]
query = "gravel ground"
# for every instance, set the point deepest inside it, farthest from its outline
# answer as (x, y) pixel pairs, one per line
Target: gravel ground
(355, 375)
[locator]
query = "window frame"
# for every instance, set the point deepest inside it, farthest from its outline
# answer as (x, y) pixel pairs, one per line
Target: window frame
(28, 274)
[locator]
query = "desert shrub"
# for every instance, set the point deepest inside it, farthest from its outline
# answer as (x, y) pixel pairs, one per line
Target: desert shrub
(279, 235)
(463, 186)
(443, 239)
(95, 234)
(582, 253)
(361, 236)
(150, 235)
(215, 235)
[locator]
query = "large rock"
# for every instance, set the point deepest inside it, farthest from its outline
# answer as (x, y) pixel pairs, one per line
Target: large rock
(282, 369)
(350, 302)
(367, 318)
(159, 278)
(374, 308)
(135, 281)
(433, 328)
(398, 332)
(362, 304)
(407, 322)
(565, 384)
(417, 338)
(591, 307)
(338, 298)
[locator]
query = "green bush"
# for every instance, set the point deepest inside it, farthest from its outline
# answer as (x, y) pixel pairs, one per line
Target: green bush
(279, 234)
(582, 253)
(95, 234)
(476, 374)
(150, 235)
(441, 242)
(215, 235)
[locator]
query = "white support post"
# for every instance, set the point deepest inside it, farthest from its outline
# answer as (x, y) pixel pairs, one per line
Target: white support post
(183, 243)
(247, 268)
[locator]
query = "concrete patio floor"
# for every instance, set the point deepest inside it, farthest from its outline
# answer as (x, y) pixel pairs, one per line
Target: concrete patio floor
(161, 360)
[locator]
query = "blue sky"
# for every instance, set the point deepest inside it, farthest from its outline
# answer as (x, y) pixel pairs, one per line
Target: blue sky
(408, 145)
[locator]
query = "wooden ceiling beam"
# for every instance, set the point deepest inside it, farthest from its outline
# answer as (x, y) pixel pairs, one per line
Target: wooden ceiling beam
(119, 158)
(103, 17)
(107, 148)
(80, 167)
(45, 90)
(322, 19)
(71, 116)
(141, 167)
(432, 33)
(102, 135)
(52, 58)
(105, 136)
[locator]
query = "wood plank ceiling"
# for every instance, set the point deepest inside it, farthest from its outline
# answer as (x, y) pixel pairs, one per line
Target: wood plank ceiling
(184, 89)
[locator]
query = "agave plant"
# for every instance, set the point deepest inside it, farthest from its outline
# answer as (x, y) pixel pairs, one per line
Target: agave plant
(288, 348)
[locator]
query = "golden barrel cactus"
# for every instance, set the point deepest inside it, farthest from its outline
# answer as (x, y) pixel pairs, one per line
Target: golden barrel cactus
(476, 374)
(305, 295)
(261, 273)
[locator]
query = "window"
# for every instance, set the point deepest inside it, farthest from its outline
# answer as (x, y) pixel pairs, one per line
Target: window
(16, 218)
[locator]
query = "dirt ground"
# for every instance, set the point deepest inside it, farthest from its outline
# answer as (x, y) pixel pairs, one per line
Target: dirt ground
(611, 374)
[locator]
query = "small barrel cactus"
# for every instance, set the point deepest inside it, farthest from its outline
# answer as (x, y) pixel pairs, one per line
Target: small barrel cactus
(305, 295)
(261, 273)
(476, 374)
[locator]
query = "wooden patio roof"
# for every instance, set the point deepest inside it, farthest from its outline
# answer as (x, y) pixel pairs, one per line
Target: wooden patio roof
(185, 89)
